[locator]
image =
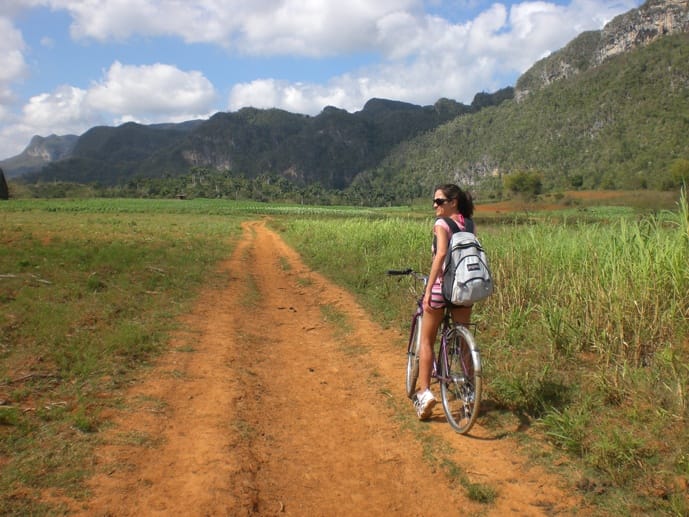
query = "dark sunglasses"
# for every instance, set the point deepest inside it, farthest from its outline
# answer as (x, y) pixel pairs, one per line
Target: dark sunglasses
(440, 201)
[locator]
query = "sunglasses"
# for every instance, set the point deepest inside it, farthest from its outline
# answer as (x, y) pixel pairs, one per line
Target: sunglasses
(440, 201)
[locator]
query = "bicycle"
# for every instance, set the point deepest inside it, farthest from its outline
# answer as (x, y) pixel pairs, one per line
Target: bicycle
(456, 365)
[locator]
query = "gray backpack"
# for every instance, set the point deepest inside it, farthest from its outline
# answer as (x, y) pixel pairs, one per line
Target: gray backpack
(466, 278)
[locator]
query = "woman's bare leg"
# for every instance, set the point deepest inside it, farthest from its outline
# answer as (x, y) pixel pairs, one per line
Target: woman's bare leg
(429, 330)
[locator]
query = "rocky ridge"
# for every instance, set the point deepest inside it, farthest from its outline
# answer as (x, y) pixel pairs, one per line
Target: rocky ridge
(634, 29)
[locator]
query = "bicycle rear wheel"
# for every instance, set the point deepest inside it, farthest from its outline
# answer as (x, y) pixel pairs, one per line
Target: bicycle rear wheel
(460, 386)
(413, 355)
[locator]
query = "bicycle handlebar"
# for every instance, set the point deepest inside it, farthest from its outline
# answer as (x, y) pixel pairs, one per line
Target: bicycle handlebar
(398, 272)
(410, 272)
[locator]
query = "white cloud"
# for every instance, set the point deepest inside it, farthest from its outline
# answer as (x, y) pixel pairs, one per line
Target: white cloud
(152, 93)
(145, 94)
(437, 58)
(12, 64)
(305, 98)
(316, 28)
(12, 69)
(428, 57)
(12, 7)
(306, 28)
(62, 111)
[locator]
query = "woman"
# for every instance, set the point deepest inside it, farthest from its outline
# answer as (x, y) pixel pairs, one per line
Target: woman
(449, 201)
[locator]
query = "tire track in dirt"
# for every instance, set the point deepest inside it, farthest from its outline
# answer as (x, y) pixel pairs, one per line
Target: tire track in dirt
(276, 411)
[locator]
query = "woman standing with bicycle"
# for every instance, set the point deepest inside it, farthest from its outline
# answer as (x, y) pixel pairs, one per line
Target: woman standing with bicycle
(451, 202)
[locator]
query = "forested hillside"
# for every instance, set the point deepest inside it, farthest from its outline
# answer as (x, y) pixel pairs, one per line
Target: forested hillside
(329, 149)
(622, 124)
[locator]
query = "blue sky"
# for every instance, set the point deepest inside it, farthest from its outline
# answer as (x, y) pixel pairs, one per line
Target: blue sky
(68, 65)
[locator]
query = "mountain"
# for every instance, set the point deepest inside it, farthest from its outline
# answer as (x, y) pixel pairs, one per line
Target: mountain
(39, 152)
(330, 148)
(105, 154)
(607, 111)
(627, 32)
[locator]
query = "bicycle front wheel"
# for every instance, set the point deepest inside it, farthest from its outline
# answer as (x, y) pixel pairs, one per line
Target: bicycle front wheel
(413, 355)
(460, 386)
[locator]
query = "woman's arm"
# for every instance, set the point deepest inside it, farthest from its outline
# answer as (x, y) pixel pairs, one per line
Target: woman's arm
(442, 242)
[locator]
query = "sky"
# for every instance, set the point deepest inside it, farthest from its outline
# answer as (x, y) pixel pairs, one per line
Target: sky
(69, 65)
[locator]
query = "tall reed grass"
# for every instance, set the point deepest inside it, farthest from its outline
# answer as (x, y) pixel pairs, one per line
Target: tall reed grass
(357, 251)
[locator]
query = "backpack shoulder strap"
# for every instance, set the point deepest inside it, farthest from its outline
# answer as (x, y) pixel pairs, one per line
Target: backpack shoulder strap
(454, 227)
(469, 224)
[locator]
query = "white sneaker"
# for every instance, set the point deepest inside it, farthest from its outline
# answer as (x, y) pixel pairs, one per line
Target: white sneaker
(424, 402)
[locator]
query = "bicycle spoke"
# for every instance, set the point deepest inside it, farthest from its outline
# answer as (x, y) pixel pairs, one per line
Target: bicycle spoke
(461, 385)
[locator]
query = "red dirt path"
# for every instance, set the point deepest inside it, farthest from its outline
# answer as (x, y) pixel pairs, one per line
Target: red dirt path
(261, 407)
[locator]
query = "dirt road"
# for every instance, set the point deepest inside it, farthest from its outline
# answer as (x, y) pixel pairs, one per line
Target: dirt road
(263, 405)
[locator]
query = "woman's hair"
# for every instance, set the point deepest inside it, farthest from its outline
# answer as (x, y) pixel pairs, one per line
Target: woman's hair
(465, 204)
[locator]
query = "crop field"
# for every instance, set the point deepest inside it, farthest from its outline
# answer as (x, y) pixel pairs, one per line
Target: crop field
(87, 295)
(586, 338)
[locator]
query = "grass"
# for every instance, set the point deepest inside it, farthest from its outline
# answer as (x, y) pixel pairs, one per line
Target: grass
(337, 318)
(87, 296)
(585, 343)
(199, 207)
(245, 430)
(586, 340)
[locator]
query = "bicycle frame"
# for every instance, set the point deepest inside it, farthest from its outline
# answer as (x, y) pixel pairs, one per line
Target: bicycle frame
(436, 373)
(445, 328)
(455, 364)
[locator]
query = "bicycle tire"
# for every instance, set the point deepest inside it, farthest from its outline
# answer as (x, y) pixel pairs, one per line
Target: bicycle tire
(461, 383)
(413, 356)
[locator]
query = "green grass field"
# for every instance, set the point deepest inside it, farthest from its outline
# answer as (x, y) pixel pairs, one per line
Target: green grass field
(87, 296)
(586, 337)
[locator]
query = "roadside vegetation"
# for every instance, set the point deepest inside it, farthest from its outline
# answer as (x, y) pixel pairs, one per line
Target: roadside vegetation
(585, 342)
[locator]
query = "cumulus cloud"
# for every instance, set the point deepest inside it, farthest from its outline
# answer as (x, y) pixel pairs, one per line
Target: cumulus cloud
(295, 97)
(62, 111)
(144, 94)
(313, 28)
(12, 7)
(318, 27)
(152, 93)
(12, 63)
(327, 27)
(428, 57)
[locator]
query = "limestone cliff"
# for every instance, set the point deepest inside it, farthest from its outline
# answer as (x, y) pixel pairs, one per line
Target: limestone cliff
(636, 28)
